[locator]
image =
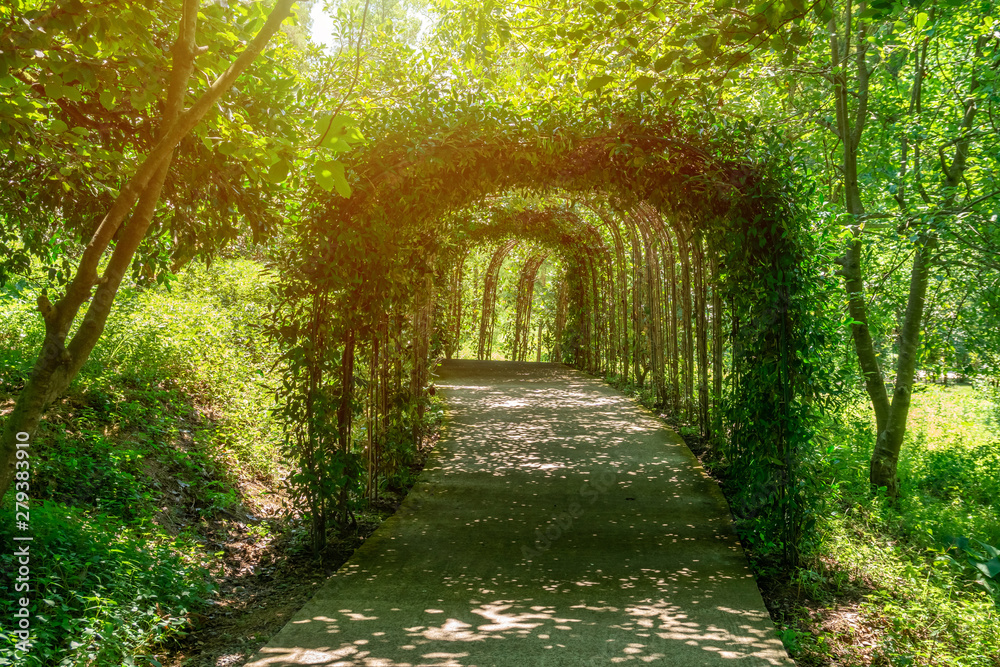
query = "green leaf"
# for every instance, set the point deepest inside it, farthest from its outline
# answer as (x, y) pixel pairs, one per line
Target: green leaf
(599, 82)
(823, 11)
(338, 145)
(643, 83)
(799, 37)
(666, 61)
(706, 43)
(324, 175)
(108, 100)
(920, 21)
(990, 549)
(331, 129)
(72, 93)
(54, 91)
(57, 126)
(278, 172)
(990, 568)
(343, 187)
(330, 175)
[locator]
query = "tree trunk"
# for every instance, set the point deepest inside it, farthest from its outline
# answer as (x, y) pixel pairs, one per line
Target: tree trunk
(850, 135)
(675, 373)
(885, 458)
(863, 344)
(891, 417)
(345, 414)
(538, 357)
(486, 321)
(345, 407)
(455, 307)
(635, 352)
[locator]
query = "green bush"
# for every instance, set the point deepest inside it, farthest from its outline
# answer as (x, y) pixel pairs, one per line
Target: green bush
(196, 336)
(954, 470)
(21, 335)
(200, 336)
(921, 558)
(401, 457)
(89, 470)
(175, 385)
(101, 593)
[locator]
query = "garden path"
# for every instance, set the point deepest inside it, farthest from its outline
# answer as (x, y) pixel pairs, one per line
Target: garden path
(556, 523)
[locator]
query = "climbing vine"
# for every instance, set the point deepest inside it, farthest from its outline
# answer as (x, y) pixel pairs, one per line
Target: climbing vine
(681, 274)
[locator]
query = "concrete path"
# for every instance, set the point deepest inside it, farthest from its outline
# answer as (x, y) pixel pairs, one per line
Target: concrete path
(555, 524)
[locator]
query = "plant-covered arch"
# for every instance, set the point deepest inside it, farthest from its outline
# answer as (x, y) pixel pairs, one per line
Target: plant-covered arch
(550, 228)
(684, 269)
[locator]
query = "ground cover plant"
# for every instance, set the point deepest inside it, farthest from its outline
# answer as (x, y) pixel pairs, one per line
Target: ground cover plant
(154, 429)
(919, 576)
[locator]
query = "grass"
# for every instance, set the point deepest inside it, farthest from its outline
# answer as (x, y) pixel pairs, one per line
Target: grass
(890, 583)
(154, 435)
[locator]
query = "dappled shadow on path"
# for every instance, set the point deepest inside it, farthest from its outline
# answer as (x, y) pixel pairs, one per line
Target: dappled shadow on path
(507, 632)
(557, 524)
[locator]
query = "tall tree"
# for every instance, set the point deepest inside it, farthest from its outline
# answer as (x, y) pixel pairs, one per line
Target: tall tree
(884, 80)
(115, 241)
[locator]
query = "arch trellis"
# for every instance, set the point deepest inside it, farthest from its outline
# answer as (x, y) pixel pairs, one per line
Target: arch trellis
(488, 317)
(680, 253)
(559, 231)
(525, 295)
(454, 325)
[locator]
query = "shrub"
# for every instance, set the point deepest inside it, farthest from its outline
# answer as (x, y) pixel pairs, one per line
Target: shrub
(101, 592)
